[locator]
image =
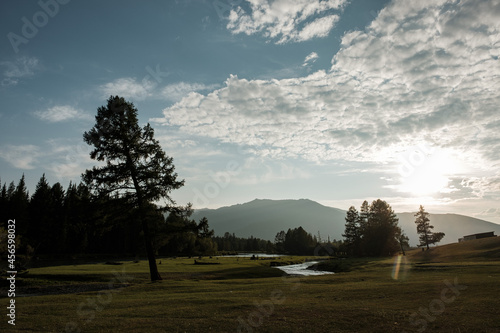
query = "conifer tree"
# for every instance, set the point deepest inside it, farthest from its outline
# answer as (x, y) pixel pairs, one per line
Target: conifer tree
(136, 168)
(352, 233)
(380, 235)
(424, 229)
(40, 216)
(18, 206)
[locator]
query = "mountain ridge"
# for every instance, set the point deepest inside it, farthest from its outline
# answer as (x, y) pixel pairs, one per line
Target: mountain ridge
(264, 218)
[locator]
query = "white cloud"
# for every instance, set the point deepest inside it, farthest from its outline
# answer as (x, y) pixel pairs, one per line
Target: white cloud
(21, 156)
(491, 213)
(483, 187)
(63, 159)
(20, 68)
(175, 91)
(287, 21)
(128, 88)
(311, 58)
(68, 159)
(401, 82)
(61, 113)
(132, 89)
(318, 28)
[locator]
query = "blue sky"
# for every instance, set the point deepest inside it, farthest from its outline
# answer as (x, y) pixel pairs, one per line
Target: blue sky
(336, 101)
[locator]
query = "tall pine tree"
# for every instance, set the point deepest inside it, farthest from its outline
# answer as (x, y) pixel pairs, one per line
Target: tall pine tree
(136, 168)
(352, 233)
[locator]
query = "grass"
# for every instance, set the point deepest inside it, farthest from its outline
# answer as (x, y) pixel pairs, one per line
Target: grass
(251, 296)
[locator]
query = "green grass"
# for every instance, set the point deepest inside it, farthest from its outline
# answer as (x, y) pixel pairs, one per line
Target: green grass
(204, 298)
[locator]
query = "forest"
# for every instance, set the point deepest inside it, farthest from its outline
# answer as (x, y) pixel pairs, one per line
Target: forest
(59, 222)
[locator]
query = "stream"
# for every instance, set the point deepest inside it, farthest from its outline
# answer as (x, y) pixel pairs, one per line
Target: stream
(301, 269)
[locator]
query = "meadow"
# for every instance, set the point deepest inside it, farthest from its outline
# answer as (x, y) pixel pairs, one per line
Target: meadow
(450, 288)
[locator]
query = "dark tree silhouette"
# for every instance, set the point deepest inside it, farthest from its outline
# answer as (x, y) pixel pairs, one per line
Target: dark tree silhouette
(364, 215)
(374, 231)
(424, 229)
(403, 242)
(279, 241)
(352, 233)
(136, 168)
(380, 236)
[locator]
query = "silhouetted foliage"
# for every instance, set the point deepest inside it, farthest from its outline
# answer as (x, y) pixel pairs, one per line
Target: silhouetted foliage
(295, 241)
(403, 242)
(352, 233)
(279, 241)
(231, 243)
(180, 235)
(374, 231)
(424, 229)
(136, 170)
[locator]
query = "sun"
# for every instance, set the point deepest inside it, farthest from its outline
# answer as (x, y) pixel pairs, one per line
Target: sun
(424, 173)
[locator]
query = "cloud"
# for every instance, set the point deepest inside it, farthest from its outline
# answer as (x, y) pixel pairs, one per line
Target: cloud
(21, 156)
(20, 68)
(490, 213)
(411, 77)
(175, 92)
(64, 159)
(487, 187)
(67, 159)
(311, 58)
(132, 89)
(286, 21)
(61, 113)
(128, 88)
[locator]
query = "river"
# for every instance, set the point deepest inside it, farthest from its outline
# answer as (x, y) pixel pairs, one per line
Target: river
(301, 269)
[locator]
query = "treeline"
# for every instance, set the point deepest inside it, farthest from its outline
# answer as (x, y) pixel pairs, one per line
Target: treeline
(297, 241)
(64, 222)
(231, 243)
(57, 221)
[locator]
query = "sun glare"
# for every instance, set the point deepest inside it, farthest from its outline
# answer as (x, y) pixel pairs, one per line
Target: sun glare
(424, 173)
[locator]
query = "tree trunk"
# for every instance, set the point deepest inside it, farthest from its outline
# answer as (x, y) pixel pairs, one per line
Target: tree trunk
(153, 269)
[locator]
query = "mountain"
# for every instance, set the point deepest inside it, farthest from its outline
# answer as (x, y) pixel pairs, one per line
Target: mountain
(265, 218)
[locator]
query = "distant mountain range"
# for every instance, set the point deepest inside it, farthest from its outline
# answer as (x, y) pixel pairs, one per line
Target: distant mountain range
(265, 218)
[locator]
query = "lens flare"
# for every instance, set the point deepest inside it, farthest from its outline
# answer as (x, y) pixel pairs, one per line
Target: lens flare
(399, 268)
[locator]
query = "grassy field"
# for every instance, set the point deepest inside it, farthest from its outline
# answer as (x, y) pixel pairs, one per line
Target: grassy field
(452, 288)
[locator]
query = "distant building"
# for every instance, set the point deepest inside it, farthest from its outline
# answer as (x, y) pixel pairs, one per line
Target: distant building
(477, 236)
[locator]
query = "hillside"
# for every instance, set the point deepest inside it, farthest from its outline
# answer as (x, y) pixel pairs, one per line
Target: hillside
(265, 218)
(486, 249)
(453, 225)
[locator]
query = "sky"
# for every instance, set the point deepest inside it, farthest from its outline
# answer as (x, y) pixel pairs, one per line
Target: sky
(335, 101)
